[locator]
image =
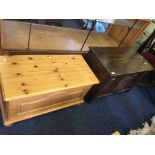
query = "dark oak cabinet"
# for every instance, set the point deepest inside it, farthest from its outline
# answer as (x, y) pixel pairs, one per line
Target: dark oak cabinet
(117, 68)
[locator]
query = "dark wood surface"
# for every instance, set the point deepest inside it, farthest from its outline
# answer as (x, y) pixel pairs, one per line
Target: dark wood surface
(120, 61)
(118, 69)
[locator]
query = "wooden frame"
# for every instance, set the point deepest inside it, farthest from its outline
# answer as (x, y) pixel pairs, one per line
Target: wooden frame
(1, 30)
(116, 34)
(76, 37)
(119, 32)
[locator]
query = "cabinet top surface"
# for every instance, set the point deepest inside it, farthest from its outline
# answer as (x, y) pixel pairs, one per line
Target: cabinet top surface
(15, 35)
(120, 60)
(29, 75)
(43, 37)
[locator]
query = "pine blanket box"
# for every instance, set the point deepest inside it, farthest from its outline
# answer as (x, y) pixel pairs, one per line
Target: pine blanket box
(32, 85)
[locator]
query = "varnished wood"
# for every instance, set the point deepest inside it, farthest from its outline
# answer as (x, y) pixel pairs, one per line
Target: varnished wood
(43, 37)
(1, 30)
(56, 38)
(99, 39)
(15, 35)
(118, 69)
(121, 60)
(26, 106)
(117, 32)
(8, 122)
(32, 70)
(36, 84)
(50, 38)
(135, 33)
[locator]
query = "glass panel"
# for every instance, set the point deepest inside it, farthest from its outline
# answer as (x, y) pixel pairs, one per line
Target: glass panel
(98, 36)
(108, 32)
(14, 35)
(69, 37)
(46, 34)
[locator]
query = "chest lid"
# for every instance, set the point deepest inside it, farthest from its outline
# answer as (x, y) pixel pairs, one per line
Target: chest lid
(121, 60)
(29, 75)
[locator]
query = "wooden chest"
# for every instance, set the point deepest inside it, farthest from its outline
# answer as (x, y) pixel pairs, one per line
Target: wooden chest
(118, 69)
(32, 85)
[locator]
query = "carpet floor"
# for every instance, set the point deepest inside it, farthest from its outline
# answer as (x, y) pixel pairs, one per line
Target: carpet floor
(120, 111)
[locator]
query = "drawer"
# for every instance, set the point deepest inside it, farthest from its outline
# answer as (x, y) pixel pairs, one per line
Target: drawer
(108, 86)
(31, 104)
(118, 83)
(125, 82)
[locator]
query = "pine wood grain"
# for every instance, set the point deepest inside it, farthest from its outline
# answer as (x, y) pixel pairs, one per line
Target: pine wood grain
(27, 75)
(8, 122)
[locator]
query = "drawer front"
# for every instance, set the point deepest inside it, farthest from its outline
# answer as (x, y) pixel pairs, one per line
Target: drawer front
(108, 86)
(126, 82)
(31, 104)
(119, 83)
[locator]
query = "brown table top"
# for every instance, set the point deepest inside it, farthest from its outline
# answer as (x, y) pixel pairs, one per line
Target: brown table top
(121, 60)
(43, 37)
(29, 75)
(15, 36)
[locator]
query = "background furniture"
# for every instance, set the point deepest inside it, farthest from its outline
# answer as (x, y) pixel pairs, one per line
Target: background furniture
(20, 36)
(117, 68)
(0, 31)
(147, 50)
(148, 45)
(15, 36)
(54, 22)
(123, 31)
(32, 85)
(43, 37)
(126, 36)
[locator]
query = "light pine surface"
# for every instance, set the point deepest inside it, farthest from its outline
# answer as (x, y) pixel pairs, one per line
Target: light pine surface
(30, 75)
